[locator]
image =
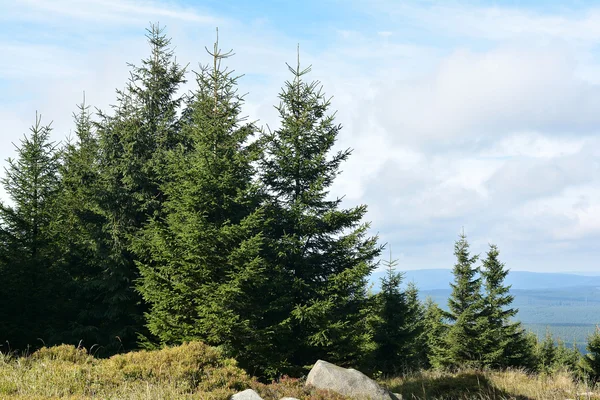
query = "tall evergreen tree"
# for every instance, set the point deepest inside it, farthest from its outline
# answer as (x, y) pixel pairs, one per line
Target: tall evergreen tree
(133, 143)
(591, 360)
(29, 292)
(465, 309)
(200, 264)
(319, 255)
(79, 223)
(502, 340)
(391, 327)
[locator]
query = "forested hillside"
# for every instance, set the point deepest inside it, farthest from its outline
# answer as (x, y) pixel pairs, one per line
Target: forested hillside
(171, 218)
(432, 279)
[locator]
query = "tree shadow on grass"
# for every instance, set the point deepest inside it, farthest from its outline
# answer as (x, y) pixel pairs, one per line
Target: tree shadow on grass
(462, 386)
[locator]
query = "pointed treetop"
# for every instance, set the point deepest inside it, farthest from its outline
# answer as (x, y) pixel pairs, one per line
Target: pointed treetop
(297, 71)
(217, 56)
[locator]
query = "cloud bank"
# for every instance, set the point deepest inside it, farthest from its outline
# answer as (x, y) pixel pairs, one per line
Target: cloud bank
(474, 116)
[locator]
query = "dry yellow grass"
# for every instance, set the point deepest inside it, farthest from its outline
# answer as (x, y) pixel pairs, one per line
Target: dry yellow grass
(196, 371)
(190, 371)
(490, 385)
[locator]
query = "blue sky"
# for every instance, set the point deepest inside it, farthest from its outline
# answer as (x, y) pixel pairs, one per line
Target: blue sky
(478, 114)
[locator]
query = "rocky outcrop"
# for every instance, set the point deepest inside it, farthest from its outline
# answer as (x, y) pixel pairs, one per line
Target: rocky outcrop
(347, 382)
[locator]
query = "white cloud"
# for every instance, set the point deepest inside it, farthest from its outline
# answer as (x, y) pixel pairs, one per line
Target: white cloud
(571, 215)
(486, 95)
(500, 138)
(111, 11)
(37, 62)
(521, 179)
(499, 23)
(535, 144)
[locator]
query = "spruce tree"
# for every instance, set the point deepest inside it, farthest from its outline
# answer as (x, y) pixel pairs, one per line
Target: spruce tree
(199, 259)
(29, 293)
(391, 328)
(133, 142)
(435, 330)
(502, 339)
(591, 360)
(399, 327)
(566, 358)
(79, 223)
(546, 353)
(319, 254)
(416, 348)
(520, 351)
(465, 310)
(532, 342)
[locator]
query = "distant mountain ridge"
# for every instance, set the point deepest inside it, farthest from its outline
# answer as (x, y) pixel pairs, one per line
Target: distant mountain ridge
(433, 279)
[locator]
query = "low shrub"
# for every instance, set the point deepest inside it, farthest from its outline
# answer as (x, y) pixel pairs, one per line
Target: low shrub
(292, 387)
(63, 352)
(192, 370)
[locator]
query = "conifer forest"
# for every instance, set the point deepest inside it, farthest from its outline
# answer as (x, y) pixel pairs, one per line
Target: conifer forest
(171, 218)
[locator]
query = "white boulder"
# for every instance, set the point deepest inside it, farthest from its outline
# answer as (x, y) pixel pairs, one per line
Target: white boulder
(347, 382)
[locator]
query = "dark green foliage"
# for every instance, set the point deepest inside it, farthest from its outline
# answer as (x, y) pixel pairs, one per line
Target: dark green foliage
(200, 264)
(435, 331)
(532, 341)
(390, 334)
(566, 357)
(481, 332)
(520, 351)
(79, 223)
(552, 355)
(318, 255)
(591, 360)
(30, 293)
(133, 143)
(503, 342)
(463, 341)
(416, 350)
(546, 353)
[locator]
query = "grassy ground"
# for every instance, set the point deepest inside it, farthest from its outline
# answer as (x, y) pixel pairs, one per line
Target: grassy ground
(190, 371)
(196, 371)
(485, 385)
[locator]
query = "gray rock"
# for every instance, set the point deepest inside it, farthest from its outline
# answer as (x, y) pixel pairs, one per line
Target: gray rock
(247, 394)
(347, 382)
